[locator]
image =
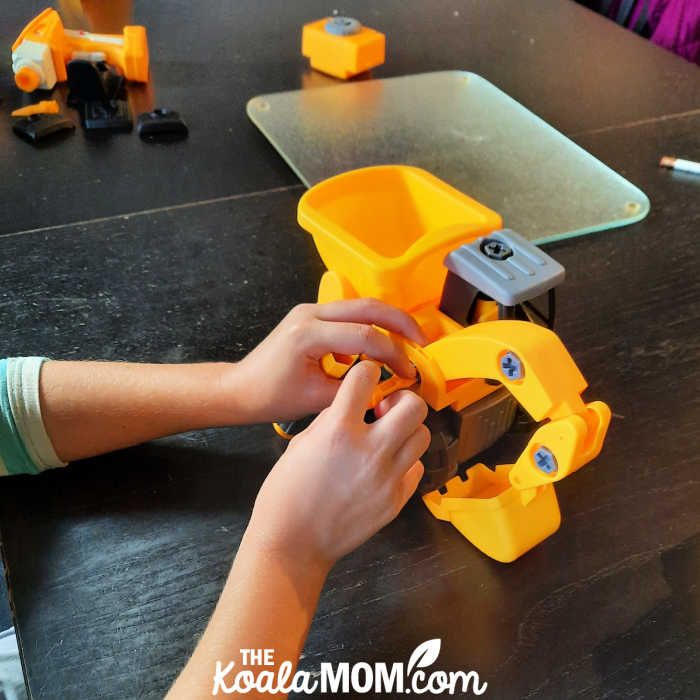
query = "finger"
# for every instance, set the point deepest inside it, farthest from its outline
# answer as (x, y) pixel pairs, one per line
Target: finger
(372, 311)
(414, 447)
(386, 404)
(319, 391)
(356, 390)
(409, 483)
(402, 419)
(354, 339)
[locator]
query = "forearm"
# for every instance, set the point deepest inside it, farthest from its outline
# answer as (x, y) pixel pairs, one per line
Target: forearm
(93, 407)
(268, 602)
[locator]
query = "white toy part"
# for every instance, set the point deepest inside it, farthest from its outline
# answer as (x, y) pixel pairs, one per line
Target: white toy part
(94, 56)
(38, 58)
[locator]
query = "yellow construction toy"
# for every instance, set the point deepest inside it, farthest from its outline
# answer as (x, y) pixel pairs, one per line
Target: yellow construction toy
(40, 54)
(401, 235)
(342, 47)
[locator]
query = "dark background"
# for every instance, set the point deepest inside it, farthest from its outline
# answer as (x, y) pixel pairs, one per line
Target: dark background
(186, 252)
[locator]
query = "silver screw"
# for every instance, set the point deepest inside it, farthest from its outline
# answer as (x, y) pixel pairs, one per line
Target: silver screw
(343, 26)
(545, 460)
(495, 249)
(512, 367)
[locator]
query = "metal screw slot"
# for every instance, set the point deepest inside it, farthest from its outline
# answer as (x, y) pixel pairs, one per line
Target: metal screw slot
(545, 460)
(496, 250)
(512, 367)
(343, 26)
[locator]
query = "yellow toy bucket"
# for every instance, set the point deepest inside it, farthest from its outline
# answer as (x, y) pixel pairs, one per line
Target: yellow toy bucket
(386, 230)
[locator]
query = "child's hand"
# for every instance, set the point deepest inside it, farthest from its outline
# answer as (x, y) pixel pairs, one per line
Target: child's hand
(282, 377)
(339, 482)
(342, 479)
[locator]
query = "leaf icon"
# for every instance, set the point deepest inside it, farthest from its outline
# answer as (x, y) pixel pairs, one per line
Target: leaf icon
(424, 655)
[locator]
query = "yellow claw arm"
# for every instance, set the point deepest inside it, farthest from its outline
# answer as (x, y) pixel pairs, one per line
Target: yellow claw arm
(548, 383)
(508, 511)
(533, 364)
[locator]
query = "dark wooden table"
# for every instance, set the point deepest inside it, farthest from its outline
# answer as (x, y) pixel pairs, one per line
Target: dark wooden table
(190, 251)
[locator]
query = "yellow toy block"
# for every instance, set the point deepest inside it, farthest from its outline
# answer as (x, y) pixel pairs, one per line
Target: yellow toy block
(342, 47)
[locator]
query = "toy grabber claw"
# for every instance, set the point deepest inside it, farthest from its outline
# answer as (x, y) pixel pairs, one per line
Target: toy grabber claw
(401, 235)
(40, 53)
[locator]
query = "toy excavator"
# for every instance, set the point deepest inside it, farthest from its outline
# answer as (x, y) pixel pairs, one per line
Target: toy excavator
(399, 234)
(41, 51)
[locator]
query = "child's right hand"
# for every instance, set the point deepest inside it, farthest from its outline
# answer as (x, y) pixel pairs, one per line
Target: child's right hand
(342, 480)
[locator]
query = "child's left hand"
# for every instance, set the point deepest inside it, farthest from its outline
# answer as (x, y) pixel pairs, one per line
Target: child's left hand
(282, 376)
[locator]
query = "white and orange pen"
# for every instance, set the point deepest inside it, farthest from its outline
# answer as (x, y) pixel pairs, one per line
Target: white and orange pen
(686, 166)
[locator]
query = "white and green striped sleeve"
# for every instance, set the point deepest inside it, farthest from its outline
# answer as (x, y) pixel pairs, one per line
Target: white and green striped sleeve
(25, 447)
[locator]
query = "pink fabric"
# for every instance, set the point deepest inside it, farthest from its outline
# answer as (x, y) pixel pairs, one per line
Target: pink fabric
(674, 24)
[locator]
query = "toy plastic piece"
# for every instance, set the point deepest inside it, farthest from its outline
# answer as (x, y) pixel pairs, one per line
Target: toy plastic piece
(342, 47)
(551, 383)
(492, 516)
(291, 428)
(573, 441)
(96, 91)
(484, 422)
(93, 82)
(33, 67)
(388, 384)
(43, 107)
(384, 232)
(457, 436)
(37, 127)
(506, 267)
(441, 459)
(161, 125)
(282, 428)
(40, 53)
(114, 116)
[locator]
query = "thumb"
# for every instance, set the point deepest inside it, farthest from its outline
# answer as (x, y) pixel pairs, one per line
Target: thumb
(355, 392)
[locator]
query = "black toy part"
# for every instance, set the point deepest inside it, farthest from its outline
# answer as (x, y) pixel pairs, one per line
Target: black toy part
(37, 127)
(98, 92)
(161, 125)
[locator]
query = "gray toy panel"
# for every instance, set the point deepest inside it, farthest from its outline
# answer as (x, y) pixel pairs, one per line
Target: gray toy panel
(506, 267)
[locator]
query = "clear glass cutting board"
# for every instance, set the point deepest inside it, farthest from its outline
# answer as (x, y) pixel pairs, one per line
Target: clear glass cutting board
(465, 131)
